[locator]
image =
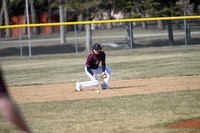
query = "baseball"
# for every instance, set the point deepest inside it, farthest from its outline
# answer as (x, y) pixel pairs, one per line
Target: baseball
(98, 91)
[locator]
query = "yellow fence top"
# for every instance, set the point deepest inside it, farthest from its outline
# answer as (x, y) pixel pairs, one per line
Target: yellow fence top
(102, 21)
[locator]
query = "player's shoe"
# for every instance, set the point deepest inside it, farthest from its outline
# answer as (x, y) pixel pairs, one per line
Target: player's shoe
(104, 86)
(78, 86)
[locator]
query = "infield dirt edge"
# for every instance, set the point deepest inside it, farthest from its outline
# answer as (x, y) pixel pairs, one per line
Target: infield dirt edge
(59, 92)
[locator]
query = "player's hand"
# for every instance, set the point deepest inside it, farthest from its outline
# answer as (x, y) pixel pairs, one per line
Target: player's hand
(94, 75)
(103, 75)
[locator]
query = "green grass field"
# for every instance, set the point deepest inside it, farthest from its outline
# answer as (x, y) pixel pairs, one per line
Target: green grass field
(142, 63)
(121, 114)
(125, 114)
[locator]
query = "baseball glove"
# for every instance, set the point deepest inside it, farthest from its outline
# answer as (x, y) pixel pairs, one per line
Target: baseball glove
(103, 75)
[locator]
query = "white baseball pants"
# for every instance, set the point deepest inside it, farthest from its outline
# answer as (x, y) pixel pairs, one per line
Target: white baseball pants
(94, 82)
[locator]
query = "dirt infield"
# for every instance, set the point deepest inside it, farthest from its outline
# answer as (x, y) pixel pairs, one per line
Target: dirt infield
(187, 124)
(57, 92)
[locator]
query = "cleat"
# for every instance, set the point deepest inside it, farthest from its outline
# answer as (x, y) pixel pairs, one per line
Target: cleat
(78, 86)
(108, 87)
(103, 86)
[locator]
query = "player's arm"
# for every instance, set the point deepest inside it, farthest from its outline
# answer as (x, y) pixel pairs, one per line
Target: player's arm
(103, 75)
(103, 62)
(89, 70)
(103, 66)
(88, 64)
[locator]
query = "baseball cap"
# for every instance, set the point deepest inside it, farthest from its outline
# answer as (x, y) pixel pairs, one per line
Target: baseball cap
(96, 46)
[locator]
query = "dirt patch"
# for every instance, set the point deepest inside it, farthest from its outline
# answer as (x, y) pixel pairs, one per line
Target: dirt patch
(58, 92)
(187, 124)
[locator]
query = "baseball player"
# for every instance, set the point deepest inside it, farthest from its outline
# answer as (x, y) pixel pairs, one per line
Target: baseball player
(92, 68)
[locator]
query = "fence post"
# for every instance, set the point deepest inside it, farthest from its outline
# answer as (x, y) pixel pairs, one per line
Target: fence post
(188, 31)
(131, 36)
(29, 36)
(20, 38)
(76, 47)
(185, 30)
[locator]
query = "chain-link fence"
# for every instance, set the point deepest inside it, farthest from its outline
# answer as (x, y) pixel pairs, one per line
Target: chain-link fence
(111, 36)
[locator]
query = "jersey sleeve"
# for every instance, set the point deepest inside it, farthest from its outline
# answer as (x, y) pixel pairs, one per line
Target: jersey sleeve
(103, 67)
(89, 61)
(103, 61)
(103, 57)
(90, 71)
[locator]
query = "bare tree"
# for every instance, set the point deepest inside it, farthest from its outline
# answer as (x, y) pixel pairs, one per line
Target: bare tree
(7, 19)
(51, 5)
(109, 25)
(50, 20)
(170, 32)
(81, 26)
(85, 9)
(129, 33)
(160, 24)
(1, 21)
(88, 46)
(62, 28)
(35, 30)
(25, 21)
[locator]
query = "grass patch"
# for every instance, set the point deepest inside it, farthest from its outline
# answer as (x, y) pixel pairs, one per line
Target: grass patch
(135, 113)
(184, 65)
(62, 69)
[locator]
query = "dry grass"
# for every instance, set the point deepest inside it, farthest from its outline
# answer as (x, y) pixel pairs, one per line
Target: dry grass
(143, 63)
(136, 113)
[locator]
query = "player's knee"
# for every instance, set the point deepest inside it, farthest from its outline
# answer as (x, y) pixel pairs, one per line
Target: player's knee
(96, 83)
(108, 70)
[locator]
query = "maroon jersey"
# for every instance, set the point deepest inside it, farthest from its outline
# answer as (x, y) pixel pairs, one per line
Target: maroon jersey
(93, 60)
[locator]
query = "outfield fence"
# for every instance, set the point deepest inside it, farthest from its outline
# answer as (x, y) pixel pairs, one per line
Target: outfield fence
(186, 31)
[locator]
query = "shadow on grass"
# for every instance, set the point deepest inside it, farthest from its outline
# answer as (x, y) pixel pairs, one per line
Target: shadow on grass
(116, 88)
(70, 48)
(40, 50)
(123, 87)
(165, 42)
